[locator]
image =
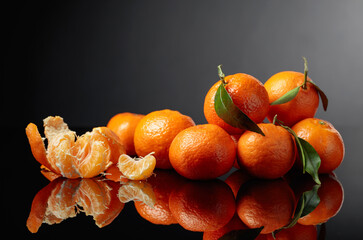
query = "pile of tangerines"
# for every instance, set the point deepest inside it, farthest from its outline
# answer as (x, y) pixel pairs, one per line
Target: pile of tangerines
(235, 108)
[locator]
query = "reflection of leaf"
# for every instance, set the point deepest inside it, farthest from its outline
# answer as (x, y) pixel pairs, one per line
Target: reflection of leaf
(287, 97)
(245, 234)
(324, 98)
(230, 113)
(308, 201)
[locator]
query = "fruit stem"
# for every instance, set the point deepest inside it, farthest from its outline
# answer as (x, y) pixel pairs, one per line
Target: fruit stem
(221, 74)
(274, 120)
(305, 73)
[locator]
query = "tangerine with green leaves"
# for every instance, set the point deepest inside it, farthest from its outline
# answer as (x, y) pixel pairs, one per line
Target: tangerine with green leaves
(270, 156)
(325, 139)
(302, 100)
(247, 93)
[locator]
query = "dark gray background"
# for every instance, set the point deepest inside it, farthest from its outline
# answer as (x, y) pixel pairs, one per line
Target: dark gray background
(88, 60)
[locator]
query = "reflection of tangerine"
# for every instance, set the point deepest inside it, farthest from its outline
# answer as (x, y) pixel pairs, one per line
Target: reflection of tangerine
(124, 124)
(247, 93)
(156, 131)
(265, 203)
(202, 205)
(163, 183)
(331, 199)
(236, 180)
(325, 139)
(270, 156)
(202, 152)
(234, 224)
(297, 232)
(304, 105)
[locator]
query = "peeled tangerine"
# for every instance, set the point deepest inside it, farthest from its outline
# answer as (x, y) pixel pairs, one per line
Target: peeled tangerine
(71, 156)
(136, 168)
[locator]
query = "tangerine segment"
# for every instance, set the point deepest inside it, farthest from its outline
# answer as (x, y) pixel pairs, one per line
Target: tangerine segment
(37, 146)
(137, 168)
(117, 148)
(92, 154)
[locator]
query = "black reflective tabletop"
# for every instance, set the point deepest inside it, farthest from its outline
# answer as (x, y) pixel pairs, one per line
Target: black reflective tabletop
(168, 205)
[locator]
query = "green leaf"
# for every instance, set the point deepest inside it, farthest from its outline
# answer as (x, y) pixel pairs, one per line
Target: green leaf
(309, 157)
(324, 98)
(311, 200)
(231, 114)
(312, 159)
(287, 97)
(308, 201)
(245, 234)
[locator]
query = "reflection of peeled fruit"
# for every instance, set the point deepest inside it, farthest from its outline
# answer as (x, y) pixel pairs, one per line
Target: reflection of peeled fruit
(64, 198)
(71, 156)
(137, 191)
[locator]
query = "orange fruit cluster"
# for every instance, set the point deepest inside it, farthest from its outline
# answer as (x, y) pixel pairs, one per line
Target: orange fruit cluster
(235, 108)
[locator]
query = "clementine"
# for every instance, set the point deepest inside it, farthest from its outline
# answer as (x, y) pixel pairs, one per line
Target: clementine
(202, 152)
(202, 205)
(325, 139)
(305, 103)
(265, 203)
(234, 224)
(124, 124)
(247, 93)
(297, 232)
(156, 131)
(270, 156)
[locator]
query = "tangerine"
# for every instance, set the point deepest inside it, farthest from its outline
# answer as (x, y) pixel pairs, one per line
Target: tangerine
(247, 93)
(202, 152)
(124, 124)
(270, 156)
(156, 131)
(325, 139)
(304, 105)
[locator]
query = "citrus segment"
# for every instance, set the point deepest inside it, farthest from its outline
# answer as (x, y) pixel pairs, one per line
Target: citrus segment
(136, 168)
(137, 191)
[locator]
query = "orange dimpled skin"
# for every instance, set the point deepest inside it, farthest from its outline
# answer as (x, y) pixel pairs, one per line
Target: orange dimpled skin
(124, 124)
(202, 152)
(270, 156)
(155, 132)
(325, 139)
(247, 93)
(304, 105)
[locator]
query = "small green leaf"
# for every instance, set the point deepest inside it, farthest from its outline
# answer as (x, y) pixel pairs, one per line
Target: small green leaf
(308, 201)
(231, 114)
(324, 98)
(312, 160)
(287, 97)
(245, 234)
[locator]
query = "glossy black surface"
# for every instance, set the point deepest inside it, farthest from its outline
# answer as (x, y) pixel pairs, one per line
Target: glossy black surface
(21, 181)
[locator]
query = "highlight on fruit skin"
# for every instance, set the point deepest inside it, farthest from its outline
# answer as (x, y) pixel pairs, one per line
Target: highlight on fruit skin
(73, 156)
(137, 168)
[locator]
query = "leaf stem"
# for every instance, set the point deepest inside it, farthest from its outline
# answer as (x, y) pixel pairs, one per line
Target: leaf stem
(221, 74)
(306, 70)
